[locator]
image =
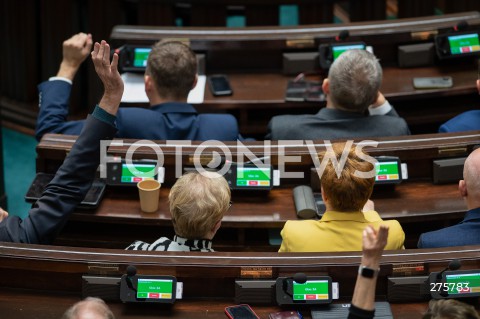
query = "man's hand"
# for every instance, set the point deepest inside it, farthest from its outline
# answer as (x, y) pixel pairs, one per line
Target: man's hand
(3, 214)
(75, 51)
(380, 100)
(109, 75)
(478, 86)
(374, 242)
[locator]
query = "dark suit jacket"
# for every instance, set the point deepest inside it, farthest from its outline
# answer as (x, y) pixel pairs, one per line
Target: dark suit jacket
(67, 189)
(168, 121)
(467, 232)
(466, 121)
(335, 124)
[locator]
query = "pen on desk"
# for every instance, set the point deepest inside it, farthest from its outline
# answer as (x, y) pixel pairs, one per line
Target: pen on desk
(299, 314)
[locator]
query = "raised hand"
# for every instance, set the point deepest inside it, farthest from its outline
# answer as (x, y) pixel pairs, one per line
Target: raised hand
(374, 242)
(109, 75)
(75, 51)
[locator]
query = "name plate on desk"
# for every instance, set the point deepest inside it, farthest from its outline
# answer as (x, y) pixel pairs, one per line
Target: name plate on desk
(408, 269)
(256, 272)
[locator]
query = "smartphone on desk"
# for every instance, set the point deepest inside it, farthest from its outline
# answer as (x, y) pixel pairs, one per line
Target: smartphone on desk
(440, 82)
(219, 85)
(243, 311)
(91, 200)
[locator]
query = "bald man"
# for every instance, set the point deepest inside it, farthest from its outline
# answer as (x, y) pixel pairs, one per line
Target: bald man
(89, 308)
(467, 232)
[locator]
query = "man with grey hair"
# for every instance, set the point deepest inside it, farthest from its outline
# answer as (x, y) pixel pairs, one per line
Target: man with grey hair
(89, 308)
(467, 232)
(355, 105)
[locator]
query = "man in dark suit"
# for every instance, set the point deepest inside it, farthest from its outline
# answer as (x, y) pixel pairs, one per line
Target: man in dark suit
(170, 75)
(75, 176)
(466, 232)
(355, 106)
(466, 121)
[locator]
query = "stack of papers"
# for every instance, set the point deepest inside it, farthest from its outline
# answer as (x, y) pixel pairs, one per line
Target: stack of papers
(134, 91)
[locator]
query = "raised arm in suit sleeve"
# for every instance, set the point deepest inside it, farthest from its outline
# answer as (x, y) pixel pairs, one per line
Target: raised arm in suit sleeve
(75, 176)
(65, 191)
(55, 93)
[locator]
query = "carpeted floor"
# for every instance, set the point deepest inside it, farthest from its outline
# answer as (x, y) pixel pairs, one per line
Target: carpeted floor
(19, 169)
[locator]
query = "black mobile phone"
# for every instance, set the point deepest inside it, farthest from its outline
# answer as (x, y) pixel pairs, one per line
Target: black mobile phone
(219, 85)
(41, 180)
(243, 311)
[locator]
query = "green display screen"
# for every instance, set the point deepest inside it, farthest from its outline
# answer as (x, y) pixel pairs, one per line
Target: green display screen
(155, 288)
(386, 171)
(460, 284)
(311, 290)
(466, 43)
(143, 172)
(339, 49)
(140, 57)
(253, 177)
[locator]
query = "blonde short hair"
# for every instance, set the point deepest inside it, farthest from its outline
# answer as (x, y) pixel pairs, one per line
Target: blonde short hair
(197, 203)
(348, 192)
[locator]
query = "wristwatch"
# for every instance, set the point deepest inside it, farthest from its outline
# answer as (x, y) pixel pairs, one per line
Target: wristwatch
(368, 272)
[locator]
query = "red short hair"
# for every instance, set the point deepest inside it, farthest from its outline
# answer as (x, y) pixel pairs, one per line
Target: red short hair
(346, 192)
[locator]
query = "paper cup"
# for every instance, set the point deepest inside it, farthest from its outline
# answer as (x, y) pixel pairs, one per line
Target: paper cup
(149, 192)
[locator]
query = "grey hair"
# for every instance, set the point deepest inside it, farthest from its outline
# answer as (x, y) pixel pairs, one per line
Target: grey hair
(89, 305)
(355, 78)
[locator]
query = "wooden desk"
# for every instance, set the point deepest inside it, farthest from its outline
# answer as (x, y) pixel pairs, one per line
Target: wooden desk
(253, 219)
(259, 97)
(410, 202)
(42, 281)
(247, 226)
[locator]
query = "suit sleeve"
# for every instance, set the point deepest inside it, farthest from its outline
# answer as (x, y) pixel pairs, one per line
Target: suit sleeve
(67, 189)
(52, 116)
(269, 130)
(420, 242)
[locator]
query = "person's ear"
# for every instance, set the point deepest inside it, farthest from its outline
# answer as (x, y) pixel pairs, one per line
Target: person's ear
(324, 197)
(462, 188)
(148, 83)
(326, 86)
(195, 81)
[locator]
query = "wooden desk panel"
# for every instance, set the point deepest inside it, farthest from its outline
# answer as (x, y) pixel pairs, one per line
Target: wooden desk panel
(31, 287)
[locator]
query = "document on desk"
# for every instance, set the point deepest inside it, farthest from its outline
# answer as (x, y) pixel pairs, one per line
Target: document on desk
(134, 91)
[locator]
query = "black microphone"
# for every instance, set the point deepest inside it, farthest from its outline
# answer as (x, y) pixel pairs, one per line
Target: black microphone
(342, 36)
(461, 26)
(452, 265)
(131, 272)
(299, 278)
